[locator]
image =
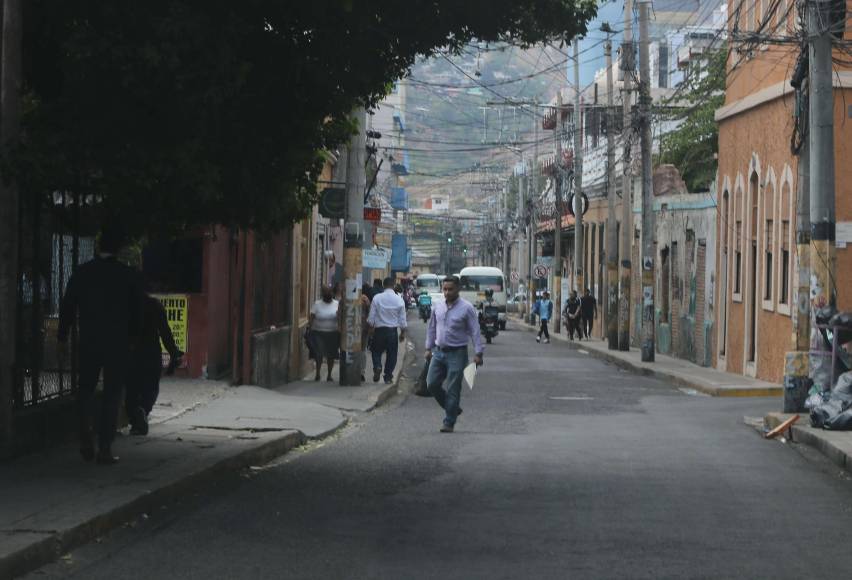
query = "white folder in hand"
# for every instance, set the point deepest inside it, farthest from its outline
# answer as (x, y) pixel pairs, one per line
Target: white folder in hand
(470, 374)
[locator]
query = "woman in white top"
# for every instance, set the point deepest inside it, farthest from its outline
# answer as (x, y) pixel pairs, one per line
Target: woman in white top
(325, 335)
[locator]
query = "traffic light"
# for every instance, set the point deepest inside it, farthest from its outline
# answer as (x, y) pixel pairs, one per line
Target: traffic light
(449, 239)
(464, 249)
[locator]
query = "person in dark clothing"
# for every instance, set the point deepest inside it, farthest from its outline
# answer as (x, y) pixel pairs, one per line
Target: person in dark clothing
(572, 315)
(588, 312)
(105, 298)
(378, 288)
(146, 364)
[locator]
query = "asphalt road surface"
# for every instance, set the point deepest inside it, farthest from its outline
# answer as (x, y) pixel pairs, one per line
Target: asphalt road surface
(561, 467)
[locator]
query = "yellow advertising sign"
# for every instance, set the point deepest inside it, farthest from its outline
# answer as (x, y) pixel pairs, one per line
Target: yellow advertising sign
(177, 314)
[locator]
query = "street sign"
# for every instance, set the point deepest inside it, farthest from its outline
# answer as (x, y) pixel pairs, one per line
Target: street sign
(540, 271)
(374, 259)
(373, 214)
(515, 276)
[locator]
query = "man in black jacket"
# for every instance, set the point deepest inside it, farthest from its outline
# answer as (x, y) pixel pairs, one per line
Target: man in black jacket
(105, 297)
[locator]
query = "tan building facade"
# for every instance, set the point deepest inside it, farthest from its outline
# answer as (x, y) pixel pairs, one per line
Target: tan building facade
(756, 261)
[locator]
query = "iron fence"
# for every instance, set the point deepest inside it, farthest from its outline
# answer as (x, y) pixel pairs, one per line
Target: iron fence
(50, 247)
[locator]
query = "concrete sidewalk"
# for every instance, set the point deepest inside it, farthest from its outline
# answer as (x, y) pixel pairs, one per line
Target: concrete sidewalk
(200, 430)
(680, 372)
(835, 445)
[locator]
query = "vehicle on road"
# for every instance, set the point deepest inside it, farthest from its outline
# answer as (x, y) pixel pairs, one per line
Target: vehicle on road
(475, 280)
(424, 305)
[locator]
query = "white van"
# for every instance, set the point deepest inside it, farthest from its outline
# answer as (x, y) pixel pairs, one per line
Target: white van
(476, 279)
(431, 283)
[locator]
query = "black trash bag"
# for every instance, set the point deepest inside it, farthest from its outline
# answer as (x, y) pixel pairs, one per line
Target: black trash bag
(841, 422)
(839, 401)
(420, 387)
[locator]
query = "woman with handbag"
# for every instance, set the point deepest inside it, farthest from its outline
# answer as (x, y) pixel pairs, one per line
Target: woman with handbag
(324, 332)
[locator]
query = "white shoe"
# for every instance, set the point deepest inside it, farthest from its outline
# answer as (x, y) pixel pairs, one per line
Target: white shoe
(538, 339)
(546, 341)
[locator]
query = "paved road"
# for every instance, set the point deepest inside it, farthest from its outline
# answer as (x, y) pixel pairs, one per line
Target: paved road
(561, 467)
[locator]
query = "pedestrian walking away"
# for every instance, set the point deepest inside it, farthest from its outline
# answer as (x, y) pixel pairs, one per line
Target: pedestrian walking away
(454, 323)
(545, 312)
(387, 326)
(146, 364)
(588, 313)
(572, 315)
(105, 298)
(324, 331)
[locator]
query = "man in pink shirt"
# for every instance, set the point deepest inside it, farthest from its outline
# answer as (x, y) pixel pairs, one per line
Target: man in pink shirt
(453, 324)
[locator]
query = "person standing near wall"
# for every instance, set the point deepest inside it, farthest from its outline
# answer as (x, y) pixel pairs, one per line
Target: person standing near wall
(387, 323)
(325, 332)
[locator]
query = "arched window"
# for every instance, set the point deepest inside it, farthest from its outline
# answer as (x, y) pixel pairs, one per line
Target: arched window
(768, 237)
(737, 244)
(785, 242)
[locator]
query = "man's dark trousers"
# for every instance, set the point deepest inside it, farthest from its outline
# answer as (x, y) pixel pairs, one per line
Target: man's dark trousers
(587, 324)
(385, 340)
(114, 370)
(143, 384)
(543, 329)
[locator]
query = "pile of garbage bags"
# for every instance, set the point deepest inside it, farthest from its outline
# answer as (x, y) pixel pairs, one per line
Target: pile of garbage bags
(833, 409)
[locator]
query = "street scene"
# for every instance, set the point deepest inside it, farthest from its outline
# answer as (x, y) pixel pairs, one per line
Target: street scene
(504, 289)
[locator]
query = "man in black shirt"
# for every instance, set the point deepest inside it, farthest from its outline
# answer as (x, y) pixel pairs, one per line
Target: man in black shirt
(105, 298)
(588, 312)
(572, 315)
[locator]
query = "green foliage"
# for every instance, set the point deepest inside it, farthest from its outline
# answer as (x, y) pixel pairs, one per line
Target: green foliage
(693, 146)
(189, 112)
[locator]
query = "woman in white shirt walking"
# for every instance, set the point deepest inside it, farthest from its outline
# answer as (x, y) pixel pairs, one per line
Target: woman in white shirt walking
(325, 333)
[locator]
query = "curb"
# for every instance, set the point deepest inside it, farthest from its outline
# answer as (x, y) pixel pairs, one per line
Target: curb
(679, 381)
(51, 548)
(819, 439)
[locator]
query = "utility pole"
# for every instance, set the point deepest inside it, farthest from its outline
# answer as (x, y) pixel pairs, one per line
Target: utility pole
(10, 92)
(625, 250)
(611, 234)
(351, 361)
(823, 291)
(577, 198)
(648, 331)
(796, 367)
(557, 221)
(531, 196)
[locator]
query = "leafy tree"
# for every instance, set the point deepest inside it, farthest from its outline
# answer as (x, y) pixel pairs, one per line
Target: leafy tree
(692, 147)
(188, 112)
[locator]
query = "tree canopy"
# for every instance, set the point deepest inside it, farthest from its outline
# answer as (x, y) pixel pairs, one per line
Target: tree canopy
(190, 112)
(693, 145)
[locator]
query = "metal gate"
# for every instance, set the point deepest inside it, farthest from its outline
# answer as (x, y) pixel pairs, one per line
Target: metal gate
(50, 247)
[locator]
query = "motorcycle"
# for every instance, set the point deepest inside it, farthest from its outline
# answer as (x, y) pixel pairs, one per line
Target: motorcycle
(425, 307)
(488, 321)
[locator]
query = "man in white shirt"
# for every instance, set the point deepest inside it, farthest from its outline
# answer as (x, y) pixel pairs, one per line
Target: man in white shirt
(387, 325)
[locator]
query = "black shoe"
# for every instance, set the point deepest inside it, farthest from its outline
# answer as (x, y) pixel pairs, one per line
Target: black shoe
(447, 429)
(87, 452)
(388, 381)
(376, 376)
(138, 422)
(106, 458)
(87, 446)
